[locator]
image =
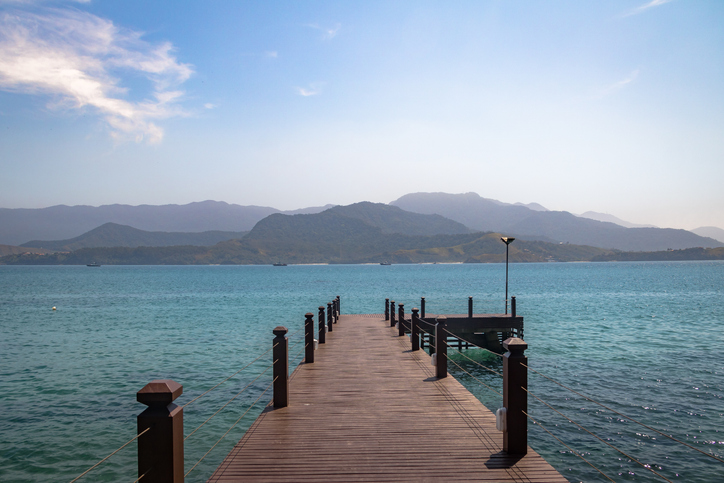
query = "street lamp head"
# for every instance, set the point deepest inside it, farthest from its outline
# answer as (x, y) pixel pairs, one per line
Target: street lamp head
(507, 239)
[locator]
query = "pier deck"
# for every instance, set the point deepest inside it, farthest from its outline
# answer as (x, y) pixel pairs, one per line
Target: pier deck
(369, 409)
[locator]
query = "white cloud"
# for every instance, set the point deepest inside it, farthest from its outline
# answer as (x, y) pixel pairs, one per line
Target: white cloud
(328, 33)
(78, 58)
(616, 86)
(646, 6)
(271, 54)
(209, 105)
(315, 88)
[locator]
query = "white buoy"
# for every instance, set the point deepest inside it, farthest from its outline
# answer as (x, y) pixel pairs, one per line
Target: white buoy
(500, 419)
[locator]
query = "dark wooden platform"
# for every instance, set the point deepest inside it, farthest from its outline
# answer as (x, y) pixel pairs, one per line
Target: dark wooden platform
(369, 409)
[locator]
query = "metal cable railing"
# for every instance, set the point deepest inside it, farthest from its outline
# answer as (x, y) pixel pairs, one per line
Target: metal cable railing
(648, 467)
(106, 458)
(229, 430)
(569, 448)
(228, 402)
(625, 416)
(208, 391)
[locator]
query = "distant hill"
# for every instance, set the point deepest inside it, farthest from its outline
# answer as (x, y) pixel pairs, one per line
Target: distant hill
(18, 226)
(612, 219)
(484, 214)
(6, 250)
(359, 233)
(711, 232)
(115, 235)
(392, 219)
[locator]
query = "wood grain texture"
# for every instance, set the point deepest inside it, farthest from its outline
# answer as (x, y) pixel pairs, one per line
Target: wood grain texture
(369, 409)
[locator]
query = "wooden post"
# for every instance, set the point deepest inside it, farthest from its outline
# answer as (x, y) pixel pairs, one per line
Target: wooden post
(515, 398)
(422, 307)
(387, 309)
(470, 307)
(322, 327)
(512, 306)
(441, 347)
(330, 327)
(161, 449)
(339, 306)
(392, 313)
(431, 340)
(309, 338)
(401, 320)
(280, 358)
(415, 331)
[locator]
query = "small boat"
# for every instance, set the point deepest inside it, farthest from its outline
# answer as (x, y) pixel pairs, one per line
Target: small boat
(280, 264)
(385, 263)
(93, 265)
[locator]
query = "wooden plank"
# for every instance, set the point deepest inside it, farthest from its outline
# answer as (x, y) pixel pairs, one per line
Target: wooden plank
(369, 409)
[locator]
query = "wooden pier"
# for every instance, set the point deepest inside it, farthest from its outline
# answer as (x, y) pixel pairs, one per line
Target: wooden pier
(370, 409)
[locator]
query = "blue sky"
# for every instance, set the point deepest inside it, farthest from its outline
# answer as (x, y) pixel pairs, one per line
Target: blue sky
(615, 107)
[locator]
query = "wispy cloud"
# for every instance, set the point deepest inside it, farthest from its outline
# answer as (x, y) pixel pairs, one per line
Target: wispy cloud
(272, 54)
(78, 59)
(315, 88)
(327, 33)
(616, 86)
(646, 6)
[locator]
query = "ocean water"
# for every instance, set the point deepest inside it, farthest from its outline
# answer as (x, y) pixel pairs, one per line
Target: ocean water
(645, 339)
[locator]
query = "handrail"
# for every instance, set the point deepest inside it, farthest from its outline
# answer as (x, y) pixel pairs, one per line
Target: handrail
(208, 391)
(627, 417)
(104, 459)
(648, 467)
(569, 448)
(232, 427)
(228, 402)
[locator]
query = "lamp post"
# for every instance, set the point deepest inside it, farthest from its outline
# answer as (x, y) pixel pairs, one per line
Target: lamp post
(507, 240)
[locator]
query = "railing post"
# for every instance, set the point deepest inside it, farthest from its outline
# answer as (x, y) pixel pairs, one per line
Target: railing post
(330, 327)
(401, 320)
(441, 347)
(422, 307)
(512, 306)
(392, 313)
(339, 306)
(387, 309)
(161, 449)
(470, 307)
(309, 338)
(322, 327)
(414, 331)
(280, 357)
(515, 397)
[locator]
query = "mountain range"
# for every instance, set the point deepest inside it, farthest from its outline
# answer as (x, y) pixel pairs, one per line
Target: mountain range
(418, 214)
(483, 214)
(19, 225)
(359, 233)
(115, 235)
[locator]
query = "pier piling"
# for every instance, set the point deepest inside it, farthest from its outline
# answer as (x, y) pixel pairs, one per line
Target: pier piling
(441, 347)
(161, 449)
(515, 397)
(309, 338)
(280, 358)
(322, 326)
(415, 330)
(401, 320)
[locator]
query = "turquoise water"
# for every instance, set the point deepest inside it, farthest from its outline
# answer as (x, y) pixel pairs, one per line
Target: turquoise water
(643, 338)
